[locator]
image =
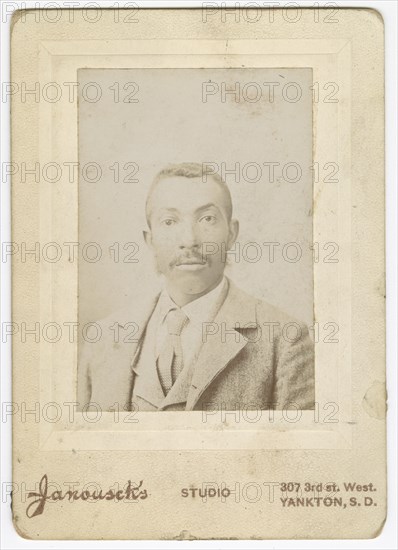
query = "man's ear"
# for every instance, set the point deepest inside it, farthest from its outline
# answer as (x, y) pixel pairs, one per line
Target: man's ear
(233, 233)
(147, 238)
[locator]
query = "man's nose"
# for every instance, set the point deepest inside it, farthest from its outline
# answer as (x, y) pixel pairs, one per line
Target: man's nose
(188, 237)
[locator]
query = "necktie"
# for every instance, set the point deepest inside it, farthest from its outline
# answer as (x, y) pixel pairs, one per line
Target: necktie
(170, 360)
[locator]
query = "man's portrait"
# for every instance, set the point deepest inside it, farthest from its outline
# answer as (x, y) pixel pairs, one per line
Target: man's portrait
(184, 329)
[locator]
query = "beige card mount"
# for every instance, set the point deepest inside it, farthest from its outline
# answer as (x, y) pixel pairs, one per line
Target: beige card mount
(198, 274)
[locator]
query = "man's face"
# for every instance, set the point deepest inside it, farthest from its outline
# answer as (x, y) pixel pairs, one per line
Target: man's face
(190, 232)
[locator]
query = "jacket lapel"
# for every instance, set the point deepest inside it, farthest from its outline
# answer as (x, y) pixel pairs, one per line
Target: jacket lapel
(147, 385)
(180, 389)
(145, 382)
(145, 312)
(223, 340)
(140, 310)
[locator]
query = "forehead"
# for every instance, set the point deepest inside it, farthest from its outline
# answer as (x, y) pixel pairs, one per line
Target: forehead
(187, 194)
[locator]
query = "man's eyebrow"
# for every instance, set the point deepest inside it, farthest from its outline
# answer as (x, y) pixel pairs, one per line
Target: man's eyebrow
(206, 206)
(168, 209)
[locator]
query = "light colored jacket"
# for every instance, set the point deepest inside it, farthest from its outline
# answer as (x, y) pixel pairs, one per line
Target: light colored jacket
(252, 356)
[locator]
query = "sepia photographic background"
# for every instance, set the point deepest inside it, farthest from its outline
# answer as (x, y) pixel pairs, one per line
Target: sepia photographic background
(252, 126)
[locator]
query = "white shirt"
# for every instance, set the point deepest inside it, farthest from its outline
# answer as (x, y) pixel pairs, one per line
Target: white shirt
(199, 311)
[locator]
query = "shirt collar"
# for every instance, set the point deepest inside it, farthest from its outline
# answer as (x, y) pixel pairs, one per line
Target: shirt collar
(198, 310)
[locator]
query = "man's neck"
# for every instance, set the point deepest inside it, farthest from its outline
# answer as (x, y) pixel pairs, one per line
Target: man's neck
(182, 299)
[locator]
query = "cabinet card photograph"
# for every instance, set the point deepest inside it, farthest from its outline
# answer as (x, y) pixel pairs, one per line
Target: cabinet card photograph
(197, 332)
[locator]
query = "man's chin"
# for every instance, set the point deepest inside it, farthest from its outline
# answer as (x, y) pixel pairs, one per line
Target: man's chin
(189, 279)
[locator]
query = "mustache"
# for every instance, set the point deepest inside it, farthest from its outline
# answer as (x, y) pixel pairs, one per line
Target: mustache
(190, 257)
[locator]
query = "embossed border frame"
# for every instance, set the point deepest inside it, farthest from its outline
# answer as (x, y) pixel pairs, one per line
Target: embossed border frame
(60, 60)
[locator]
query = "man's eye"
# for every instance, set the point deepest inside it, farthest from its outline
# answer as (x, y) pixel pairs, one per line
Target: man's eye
(168, 221)
(208, 219)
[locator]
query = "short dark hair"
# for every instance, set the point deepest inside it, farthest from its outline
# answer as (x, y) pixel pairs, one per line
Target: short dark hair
(190, 170)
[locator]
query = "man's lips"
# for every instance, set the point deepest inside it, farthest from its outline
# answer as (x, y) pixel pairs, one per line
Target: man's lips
(190, 262)
(190, 267)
